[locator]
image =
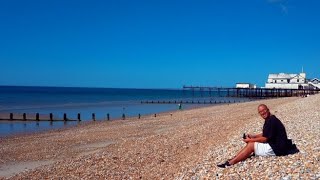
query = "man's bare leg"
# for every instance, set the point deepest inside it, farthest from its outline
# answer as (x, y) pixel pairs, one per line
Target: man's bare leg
(243, 154)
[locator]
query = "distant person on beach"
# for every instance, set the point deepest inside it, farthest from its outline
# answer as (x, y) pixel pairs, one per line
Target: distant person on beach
(272, 141)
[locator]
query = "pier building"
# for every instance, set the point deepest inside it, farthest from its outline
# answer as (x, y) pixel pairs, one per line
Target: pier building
(287, 81)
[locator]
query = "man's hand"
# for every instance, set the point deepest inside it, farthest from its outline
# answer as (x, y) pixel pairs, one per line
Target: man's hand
(250, 136)
(246, 140)
(256, 139)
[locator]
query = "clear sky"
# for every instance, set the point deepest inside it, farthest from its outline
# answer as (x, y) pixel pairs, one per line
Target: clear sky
(156, 43)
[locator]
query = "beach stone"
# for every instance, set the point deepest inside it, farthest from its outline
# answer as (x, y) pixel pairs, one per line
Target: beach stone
(286, 178)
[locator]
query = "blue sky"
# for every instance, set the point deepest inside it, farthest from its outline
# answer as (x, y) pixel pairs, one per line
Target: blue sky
(156, 43)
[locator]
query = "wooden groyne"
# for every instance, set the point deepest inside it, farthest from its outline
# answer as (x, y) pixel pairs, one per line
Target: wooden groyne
(24, 117)
(36, 117)
(189, 102)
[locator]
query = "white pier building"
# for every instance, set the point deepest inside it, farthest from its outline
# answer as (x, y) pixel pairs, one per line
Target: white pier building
(287, 81)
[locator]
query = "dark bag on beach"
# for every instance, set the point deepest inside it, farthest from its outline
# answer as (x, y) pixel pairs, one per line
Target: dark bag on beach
(292, 147)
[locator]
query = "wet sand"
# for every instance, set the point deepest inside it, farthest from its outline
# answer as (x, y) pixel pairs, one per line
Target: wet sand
(179, 145)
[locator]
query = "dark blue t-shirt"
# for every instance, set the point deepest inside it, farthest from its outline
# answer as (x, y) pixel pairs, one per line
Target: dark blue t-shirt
(275, 132)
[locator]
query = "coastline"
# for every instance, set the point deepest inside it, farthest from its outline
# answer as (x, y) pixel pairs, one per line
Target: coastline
(187, 144)
(31, 126)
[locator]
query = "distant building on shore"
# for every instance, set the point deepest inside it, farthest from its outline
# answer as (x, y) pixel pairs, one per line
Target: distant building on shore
(315, 82)
(246, 85)
(291, 81)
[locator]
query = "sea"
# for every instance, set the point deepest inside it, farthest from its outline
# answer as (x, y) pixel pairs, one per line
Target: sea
(114, 102)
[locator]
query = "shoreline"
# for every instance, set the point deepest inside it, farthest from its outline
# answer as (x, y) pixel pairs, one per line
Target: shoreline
(4, 116)
(183, 145)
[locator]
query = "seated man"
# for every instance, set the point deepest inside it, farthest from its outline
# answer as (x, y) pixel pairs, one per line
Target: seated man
(272, 141)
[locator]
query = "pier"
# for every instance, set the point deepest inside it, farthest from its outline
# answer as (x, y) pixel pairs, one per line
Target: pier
(250, 92)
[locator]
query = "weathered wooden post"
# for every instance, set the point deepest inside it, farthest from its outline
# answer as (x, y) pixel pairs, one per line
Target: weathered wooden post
(139, 116)
(108, 116)
(51, 117)
(24, 116)
(79, 117)
(155, 115)
(37, 117)
(93, 116)
(11, 116)
(123, 116)
(64, 116)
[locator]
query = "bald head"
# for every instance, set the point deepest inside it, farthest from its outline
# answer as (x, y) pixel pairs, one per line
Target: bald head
(263, 110)
(262, 106)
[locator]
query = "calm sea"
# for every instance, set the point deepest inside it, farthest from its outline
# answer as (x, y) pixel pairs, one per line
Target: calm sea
(101, 101)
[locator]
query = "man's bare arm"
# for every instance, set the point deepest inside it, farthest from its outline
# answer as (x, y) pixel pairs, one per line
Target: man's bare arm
(256, 139)
(255, 135)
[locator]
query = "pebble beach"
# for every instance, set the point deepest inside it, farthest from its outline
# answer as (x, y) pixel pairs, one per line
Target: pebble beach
(186, 144)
